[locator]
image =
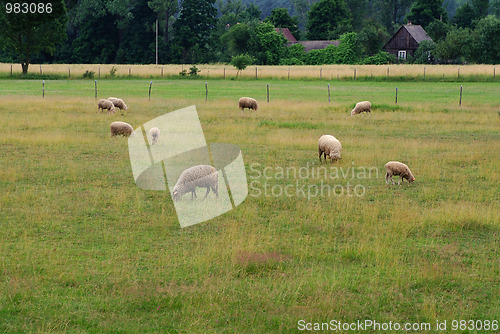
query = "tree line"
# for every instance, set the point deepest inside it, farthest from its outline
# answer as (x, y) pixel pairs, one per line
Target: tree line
(210, 31)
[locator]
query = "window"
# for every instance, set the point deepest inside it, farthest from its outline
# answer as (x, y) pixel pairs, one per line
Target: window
(401, 54)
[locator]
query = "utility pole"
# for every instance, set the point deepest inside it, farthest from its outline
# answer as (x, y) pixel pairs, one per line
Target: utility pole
(156, 41)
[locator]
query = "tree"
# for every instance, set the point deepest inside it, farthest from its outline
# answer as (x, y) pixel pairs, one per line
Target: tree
(425, 52)
(31, 33)
(372, 37)
(192, 29)
(241, 62)
(238, 39)
(454, 47)
(165, 9)
(327, 19)
(349, 50)
(271, 45)
(424, 12)
(485, 41)
(464, 16)
(281, 19)
(437, 30)
(480, 8)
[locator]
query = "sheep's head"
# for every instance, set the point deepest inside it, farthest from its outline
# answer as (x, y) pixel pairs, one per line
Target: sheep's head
(411, 178)
(176, 195)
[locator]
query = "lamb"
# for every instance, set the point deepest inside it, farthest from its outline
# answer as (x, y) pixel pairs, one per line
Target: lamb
(330, 146)
(105, 104)
(121, 128)
(154, 134)
(118, 103)
(398, 168)
(203, 176)
(365, 106)
(248, 102)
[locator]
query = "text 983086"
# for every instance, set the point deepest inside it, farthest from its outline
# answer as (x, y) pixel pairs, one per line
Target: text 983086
(28, 8)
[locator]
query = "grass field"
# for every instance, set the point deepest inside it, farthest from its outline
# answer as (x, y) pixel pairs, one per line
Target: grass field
(83, 250)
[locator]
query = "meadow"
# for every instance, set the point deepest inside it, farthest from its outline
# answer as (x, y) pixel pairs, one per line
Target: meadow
(83, 250)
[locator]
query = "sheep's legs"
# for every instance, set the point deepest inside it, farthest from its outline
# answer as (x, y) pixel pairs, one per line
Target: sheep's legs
(216, 190)
(193, 193)
(206, 194)
(320, 154)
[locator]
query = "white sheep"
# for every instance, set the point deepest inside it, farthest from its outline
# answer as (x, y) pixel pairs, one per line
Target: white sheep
(118, 103)
(330, 147)
(121, 128)
(105, 104)
(248, 102)
(154, 134)
(203, 176)
(398, 168)
(364, 106)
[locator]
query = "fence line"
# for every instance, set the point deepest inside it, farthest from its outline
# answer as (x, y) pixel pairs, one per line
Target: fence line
(222, 71)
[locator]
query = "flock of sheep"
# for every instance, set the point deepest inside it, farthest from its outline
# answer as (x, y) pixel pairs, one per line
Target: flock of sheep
(329, 146)
(206, 176)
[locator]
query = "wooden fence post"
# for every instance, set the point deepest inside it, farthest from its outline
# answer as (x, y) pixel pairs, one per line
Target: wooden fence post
(268, 93)
(95, 85)
(150, 83)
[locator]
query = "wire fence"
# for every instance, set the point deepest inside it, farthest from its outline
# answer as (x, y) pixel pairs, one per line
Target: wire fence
(224, 71)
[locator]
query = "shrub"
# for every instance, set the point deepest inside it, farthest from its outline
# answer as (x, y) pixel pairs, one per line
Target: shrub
(193, 71)
(88, 74)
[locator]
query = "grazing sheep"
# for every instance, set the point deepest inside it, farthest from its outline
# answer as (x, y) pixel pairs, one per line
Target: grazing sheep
(105, 104)
(121, 128)
(398, 168)
(248, 102)
(154, 134)
(118, 103)
(365, 106)
(203, 176)
(330, 146)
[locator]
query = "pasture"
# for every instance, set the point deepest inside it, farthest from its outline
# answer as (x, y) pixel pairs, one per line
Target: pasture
(83, 250)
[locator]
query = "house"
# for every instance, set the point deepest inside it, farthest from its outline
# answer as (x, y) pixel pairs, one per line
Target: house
(406, 40)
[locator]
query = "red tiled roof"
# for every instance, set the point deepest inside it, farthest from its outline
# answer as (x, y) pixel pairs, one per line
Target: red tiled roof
(288, 35)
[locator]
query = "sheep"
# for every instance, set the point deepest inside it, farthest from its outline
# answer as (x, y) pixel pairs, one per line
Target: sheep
(105, 104)
(121, 128)
(398, 168)
(365, 106)
(248, 102)
(118, 103)
(154, 134)
(330, 146)
(203, 176)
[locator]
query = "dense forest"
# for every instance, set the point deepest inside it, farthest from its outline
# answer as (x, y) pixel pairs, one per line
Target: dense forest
(209, 31)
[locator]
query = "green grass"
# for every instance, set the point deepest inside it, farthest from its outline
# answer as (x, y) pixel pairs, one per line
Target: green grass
(83, 250)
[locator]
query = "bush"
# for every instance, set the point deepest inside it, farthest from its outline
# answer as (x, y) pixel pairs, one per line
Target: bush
(381, 58)
(88, 74)
(112, 72)
(193, 71)
(291, 61)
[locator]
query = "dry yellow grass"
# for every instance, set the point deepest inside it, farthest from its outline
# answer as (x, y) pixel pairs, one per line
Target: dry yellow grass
(275, 72)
